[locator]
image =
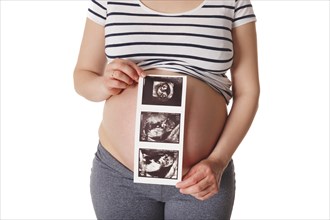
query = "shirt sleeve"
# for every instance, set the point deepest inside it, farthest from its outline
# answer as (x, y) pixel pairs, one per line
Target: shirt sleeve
(243, 13)
(97, 11)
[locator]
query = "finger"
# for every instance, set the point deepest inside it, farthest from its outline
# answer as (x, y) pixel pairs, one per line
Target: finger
(199, 187)
(118, 75)
(190, 179)
(138, 69)
(127, 67)
(120, 70)
(116, 84)
(130, 72)
(205, 195)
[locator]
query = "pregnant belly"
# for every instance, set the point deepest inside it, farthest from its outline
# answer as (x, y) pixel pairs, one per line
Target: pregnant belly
(205, 117)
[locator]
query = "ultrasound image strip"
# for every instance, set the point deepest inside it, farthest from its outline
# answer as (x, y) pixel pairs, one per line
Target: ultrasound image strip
(162, 91)
(160, 127)
(158, 163)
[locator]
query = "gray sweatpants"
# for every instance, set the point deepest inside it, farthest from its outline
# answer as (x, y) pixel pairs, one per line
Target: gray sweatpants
(115, 196)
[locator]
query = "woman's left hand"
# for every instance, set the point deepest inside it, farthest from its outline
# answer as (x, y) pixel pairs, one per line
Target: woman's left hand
(203, 180)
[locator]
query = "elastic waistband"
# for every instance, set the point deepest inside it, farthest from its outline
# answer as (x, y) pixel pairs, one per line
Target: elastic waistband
(104, 156)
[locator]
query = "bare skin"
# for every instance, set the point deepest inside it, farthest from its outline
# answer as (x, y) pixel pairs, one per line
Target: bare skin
(205, 118)
(211, 137)
(165, 6)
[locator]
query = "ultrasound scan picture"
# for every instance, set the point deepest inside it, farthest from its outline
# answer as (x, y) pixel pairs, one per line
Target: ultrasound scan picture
(162, 91)
(160, 127)
(155, 163)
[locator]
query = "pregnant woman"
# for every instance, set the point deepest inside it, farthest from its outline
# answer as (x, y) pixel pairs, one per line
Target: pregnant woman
(202, 39)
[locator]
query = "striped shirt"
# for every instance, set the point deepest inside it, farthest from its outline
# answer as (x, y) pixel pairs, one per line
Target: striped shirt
(196, 43)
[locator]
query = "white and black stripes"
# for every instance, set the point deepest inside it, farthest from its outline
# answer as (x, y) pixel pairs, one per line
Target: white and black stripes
(243, 13)
(197, 43)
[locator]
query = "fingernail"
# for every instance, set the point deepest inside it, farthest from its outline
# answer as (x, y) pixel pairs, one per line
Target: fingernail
(143, 74)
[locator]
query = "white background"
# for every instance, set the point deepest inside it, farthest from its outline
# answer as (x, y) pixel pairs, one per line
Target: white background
(49, 133)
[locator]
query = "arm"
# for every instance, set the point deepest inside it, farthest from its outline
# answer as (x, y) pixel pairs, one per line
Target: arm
(246, 91)
(202, 181)
(94, 79)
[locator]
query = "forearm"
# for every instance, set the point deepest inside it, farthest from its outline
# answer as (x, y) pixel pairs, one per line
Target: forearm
(90, 86)
(238, 123)
(202, 180)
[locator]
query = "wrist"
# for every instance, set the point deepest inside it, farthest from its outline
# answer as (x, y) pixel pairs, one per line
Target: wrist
(90, 86)
(104, 92)
(96, 91)
(221, 161)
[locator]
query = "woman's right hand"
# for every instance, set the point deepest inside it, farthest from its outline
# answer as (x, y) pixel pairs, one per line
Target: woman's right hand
(119, 74)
